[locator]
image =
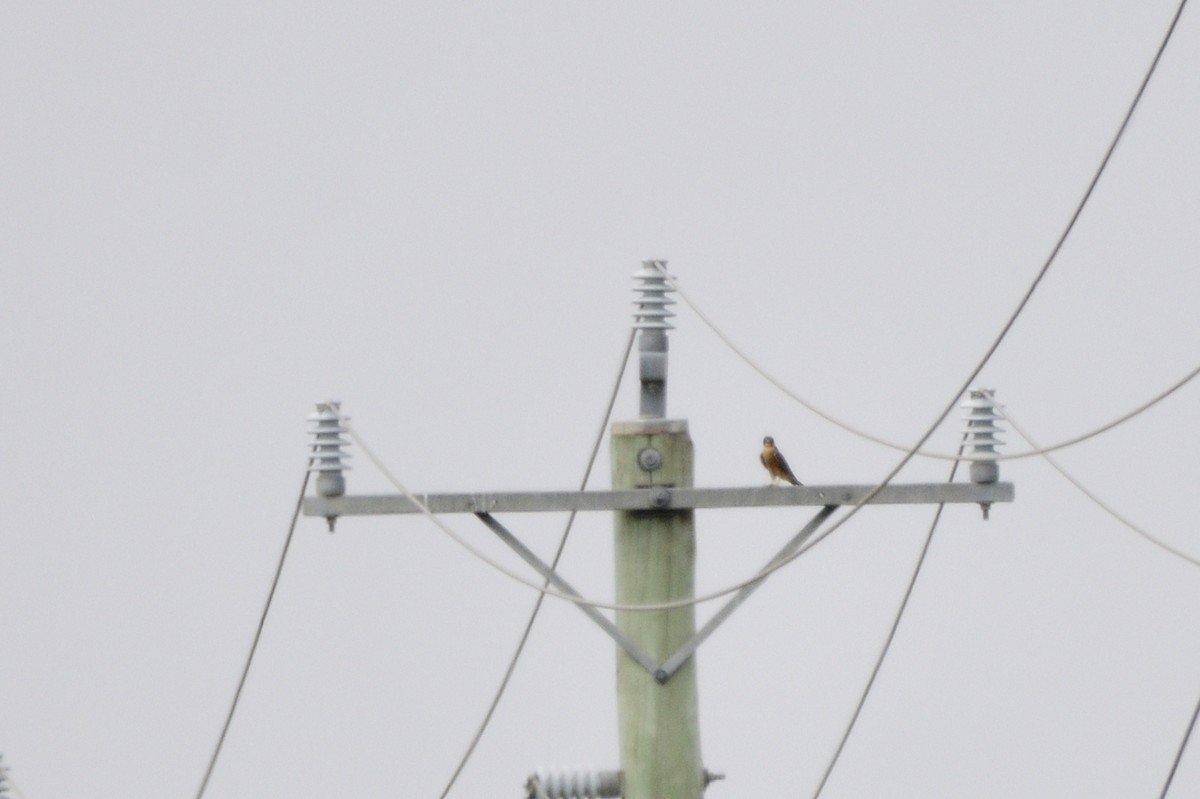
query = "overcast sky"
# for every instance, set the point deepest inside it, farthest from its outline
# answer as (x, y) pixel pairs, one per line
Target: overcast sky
(218, 214)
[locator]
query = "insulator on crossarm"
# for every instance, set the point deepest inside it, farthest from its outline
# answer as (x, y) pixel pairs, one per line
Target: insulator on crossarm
(979, 440)
(573, 784)
(652, 289)
(325, 457)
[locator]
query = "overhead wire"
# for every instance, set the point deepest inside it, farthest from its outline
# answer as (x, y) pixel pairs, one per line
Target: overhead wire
(1045, 267)
(597, 603)
(790, 393)
(262, 620)
(1179, 754)
(1007, 414)
(887, 643)
(537, 604)
(909, 453)
(1041, 274)
(1004, 331)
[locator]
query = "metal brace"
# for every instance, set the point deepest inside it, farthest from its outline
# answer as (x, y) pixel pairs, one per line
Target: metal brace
(664, 671)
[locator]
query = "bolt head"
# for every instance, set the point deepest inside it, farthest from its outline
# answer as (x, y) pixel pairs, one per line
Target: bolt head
(649, 459)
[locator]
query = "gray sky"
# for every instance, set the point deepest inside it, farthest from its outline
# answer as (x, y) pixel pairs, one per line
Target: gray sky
(216, 214)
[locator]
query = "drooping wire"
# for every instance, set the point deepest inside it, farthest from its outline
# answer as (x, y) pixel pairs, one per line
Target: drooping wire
(262, 620)
(887, 644)
(911, 453)
(1179, 755)
(1103, 505)
(766, 571)
(1045, 267)
(537, 603)
(1070, 442)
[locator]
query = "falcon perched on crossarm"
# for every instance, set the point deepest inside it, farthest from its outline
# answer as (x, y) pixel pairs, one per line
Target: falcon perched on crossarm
(776, 464)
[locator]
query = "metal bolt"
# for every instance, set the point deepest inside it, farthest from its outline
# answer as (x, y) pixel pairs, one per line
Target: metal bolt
(662, 498)
(649, 459)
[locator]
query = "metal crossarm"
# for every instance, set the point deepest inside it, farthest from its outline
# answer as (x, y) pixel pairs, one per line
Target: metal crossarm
(659, 498)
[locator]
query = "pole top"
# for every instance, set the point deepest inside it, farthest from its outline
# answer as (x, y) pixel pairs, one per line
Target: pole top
(648, 427)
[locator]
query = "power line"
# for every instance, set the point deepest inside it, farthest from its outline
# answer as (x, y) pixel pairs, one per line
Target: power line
(887, 644)
(1015, 314)
(1070, 442)
(987, 356)
(1105, 428)
(237, 695)
(537, 603)
(597, 603)
(1045, 267)
(1179, 755)
(1103, 505)
(909, 453)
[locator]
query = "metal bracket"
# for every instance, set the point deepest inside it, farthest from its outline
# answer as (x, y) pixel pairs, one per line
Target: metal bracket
(664, 671)
(672, 664)
(503, 533)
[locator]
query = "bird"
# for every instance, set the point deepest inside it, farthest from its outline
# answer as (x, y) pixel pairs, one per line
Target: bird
(776, 464)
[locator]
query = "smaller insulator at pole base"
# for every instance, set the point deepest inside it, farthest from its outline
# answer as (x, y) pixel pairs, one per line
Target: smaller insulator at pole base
(574, 784)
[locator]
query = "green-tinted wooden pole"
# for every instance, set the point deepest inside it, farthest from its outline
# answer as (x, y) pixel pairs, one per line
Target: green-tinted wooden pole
(655, 562)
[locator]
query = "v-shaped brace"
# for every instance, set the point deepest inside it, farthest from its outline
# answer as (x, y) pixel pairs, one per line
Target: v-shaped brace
(661, 671)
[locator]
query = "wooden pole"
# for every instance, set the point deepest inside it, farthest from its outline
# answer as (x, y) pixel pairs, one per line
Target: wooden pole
(659, 727)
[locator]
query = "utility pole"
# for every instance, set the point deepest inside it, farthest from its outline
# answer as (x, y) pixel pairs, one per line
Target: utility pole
(653, 501)
(655, 562)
